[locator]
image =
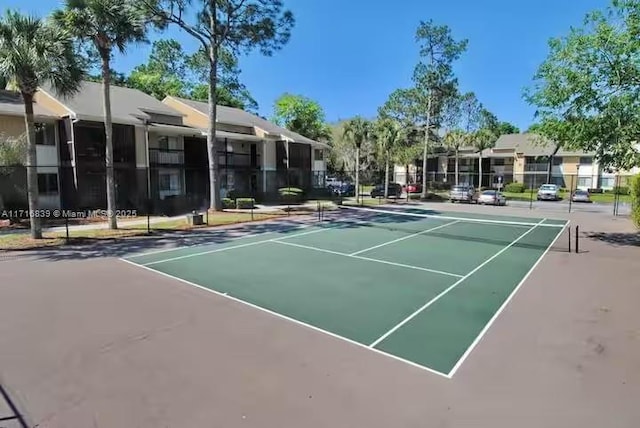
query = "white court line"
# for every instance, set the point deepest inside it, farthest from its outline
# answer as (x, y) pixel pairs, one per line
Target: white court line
(322, 250)
(454, 285)
(384, 244)
(284, 317)
(249, 244)
(444, 217)
(183, 247)
(212, 235)
(504, 305)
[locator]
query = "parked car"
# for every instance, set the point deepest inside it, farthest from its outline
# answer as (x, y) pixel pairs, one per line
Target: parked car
(345, 189)
(413, 188)
(394, 189)
(492, 197)
(581, 196)
(549, 192)
(462, 193)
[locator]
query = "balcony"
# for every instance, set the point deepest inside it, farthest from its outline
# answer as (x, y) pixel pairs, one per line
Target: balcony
(166, 157)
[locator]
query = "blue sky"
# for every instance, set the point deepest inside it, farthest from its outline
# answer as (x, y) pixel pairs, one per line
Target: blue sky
(349, 55)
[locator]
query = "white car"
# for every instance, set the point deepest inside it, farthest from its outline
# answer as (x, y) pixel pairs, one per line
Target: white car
(549, 192)
(492, 197)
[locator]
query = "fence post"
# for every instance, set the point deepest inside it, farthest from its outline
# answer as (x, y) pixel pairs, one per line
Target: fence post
(577, 239)
(571, 190)
(66, 227)
(616, 184)
(530, 193)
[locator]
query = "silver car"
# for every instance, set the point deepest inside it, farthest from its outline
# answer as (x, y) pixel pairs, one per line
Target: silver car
(462, 193)
(580, 196)
(549, 192)
(492, 197)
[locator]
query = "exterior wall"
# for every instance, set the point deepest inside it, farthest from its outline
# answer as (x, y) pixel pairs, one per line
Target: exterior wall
(46, 155)
(12, 126)
(518, 166)
(50, 103)
(317, 162)
(269, 159)
(192, 117)
(443, 164)
(141, 147)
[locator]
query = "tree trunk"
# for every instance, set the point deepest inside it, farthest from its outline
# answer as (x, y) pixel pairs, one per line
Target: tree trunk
(479, 170)
(108, 138)
(215, 203)
(457, 167)
(32, 171)
(357, 174)
(426, 150)
(386, 177)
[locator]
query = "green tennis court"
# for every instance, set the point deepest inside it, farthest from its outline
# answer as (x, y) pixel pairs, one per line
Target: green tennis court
(414, 285)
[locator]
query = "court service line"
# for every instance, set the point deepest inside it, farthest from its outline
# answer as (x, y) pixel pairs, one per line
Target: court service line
(451, 287)
(322, 250)
(384, 244)
(503, 306)
(284, 317)
(233, 247)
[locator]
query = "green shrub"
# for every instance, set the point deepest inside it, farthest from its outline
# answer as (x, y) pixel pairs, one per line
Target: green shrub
(228, 203)
(620, 190)
(245, 203)
(290, 195)
(514, 188)
(635, 200)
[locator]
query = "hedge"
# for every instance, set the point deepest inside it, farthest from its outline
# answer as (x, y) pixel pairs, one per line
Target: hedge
(635, 200)
(290, 194)
(228, 203)
(245, 203)
(514, 188)
(620, 190)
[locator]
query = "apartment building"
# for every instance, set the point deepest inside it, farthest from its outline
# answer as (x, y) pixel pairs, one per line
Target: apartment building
(160, 153)
(520, 158)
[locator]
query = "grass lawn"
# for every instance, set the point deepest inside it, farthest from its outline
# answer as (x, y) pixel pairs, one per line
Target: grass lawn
(22, 241)
(602, 198)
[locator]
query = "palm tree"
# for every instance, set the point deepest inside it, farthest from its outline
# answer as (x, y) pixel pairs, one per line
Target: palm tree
(388, 137)
(483, 139)
(32, 52)
(408, 149)
(455, 139)
(358, 131)
(106, 25)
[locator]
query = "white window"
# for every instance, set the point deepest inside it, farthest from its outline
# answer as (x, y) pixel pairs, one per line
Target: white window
(586, 160)
(318, 154)
(607, 182)
(584, 182)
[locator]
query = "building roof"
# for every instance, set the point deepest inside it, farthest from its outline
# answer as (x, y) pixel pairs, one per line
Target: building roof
(11, 105)
(531, 145)
(236, 116)
(128, 106)
(527, 144)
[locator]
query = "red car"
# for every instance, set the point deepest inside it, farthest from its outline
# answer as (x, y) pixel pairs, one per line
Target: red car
(414, 188)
